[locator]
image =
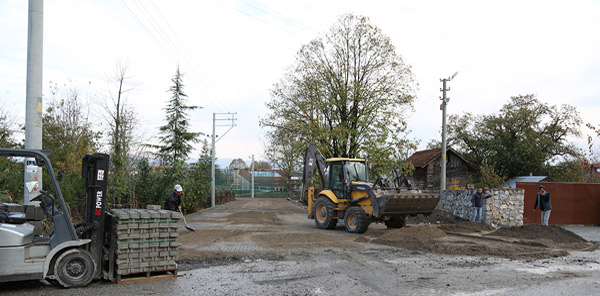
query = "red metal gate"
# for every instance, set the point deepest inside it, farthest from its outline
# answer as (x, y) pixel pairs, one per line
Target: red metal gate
(572, 203)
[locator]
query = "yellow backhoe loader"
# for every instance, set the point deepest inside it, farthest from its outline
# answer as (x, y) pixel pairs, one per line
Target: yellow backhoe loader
(348, 195)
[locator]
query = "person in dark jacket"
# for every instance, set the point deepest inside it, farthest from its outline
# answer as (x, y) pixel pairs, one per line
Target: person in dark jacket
(173, 202)
(477, 200)
(543, 199)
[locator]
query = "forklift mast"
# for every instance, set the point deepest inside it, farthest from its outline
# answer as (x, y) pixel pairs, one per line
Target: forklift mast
(95, 172)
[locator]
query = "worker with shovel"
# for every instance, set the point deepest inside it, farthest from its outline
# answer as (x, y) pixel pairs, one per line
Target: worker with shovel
(173, 203)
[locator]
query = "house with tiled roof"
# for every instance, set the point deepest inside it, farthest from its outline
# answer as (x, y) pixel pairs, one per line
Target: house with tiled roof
(426, 175)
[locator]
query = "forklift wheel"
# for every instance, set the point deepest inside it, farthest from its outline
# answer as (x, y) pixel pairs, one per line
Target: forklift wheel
(75, 268)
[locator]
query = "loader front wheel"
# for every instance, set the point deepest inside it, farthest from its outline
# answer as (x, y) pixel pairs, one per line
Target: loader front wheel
(324, 211)
(75, 268)
(356, 220)
(396, 222)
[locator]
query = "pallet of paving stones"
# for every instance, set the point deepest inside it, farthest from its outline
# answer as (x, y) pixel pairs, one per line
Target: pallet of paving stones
(141, 245)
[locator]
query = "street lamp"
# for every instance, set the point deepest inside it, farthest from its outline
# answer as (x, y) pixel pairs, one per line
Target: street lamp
(443, 156)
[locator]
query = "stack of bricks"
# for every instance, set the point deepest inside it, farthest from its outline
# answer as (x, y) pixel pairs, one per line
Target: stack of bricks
(33, 214)
(144, 240)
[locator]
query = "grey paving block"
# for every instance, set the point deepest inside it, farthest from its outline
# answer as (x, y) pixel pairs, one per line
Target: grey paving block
(153, 207)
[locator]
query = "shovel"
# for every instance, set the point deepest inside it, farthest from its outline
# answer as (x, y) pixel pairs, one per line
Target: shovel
(186, 225)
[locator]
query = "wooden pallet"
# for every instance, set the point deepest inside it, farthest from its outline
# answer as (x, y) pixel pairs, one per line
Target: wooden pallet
(146, 276)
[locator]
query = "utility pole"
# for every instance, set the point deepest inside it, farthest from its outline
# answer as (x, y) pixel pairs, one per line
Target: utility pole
(230, 117)
(33, 98)
(444, 144)
(252, 176)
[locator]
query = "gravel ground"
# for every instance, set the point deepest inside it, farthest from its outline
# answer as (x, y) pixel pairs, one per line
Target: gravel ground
(268, 247)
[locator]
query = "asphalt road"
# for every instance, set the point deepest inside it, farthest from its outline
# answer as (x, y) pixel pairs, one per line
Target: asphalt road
(354, 269)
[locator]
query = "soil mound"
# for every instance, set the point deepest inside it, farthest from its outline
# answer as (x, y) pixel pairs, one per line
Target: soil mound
(534, 231)
(436, 217)
(550, 236)
(466, 227)
(411, 237)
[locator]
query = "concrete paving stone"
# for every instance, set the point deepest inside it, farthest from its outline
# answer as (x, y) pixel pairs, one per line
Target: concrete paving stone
(164, 225)
(134, 255)
(122, 226)
(173, 234)
(133, 214)
(144, 214)
(120, 214)
(175, 215)
(164, 214)
(154, 234)
(132, 225)
(145, 236)
(143, 225)
(154, 215)
(163, 254)
(174, 244)
(153, 207)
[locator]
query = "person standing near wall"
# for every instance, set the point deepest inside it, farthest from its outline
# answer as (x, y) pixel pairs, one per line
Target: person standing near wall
(478, 200)
(543, 199)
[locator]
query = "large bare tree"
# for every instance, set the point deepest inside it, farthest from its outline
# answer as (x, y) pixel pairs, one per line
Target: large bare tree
(347, 91)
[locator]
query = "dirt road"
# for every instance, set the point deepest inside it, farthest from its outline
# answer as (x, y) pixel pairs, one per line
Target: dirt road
(269, 247)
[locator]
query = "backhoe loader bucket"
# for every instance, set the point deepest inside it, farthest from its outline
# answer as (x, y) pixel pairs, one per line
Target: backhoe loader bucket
(391, 202)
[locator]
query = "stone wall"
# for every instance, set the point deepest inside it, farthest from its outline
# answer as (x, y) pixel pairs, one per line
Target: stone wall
(504, 208)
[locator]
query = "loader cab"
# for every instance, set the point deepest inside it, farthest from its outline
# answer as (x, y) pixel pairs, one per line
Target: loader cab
(341, 172)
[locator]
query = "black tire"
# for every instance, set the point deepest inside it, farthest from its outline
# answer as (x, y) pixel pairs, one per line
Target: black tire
(396, 222)
(356, 220)
(324, 213)
(75, 268)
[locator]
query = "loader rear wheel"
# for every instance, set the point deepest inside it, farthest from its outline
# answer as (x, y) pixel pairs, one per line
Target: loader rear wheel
(356, 220)
(396, 222)
(75, 268)
(324, 211)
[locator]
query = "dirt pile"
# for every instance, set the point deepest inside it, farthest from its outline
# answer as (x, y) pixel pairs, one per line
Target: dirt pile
(549, 236)
(466, 227)
(436, 217)
(479, 239)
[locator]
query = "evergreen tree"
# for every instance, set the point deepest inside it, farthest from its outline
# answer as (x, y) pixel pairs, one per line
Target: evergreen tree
(175, 136)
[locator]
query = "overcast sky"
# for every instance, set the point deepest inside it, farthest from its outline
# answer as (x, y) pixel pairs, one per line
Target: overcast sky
(232, 52)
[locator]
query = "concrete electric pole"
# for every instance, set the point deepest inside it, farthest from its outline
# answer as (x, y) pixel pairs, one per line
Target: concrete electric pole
(444, 144)
(230, 117)
(33, 97)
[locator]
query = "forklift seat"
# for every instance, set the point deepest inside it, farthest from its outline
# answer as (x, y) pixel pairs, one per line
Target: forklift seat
(12, 217)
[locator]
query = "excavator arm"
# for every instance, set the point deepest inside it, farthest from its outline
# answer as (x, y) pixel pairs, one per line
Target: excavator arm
(312, 158)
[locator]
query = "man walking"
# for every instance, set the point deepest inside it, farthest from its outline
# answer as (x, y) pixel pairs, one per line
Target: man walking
(477, 200)
(543, 199)
(173, 202)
